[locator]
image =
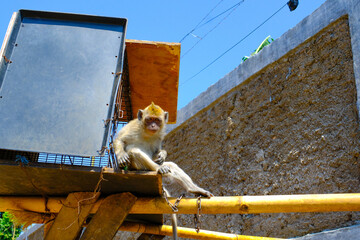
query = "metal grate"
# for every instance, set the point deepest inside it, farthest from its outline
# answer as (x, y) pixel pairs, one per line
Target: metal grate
(107, 160)
(95, 161)
(11, 155)
(74, 160)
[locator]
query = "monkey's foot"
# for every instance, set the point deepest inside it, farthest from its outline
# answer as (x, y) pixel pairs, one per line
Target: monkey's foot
(202, 192)
(164, 170)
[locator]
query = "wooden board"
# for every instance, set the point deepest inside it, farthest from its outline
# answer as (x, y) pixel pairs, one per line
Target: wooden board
(153, 75)
(69, 221)
(37, 179)
(60, 180)
(111, 214)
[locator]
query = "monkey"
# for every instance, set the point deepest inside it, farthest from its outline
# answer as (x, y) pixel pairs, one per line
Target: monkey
(138, 145)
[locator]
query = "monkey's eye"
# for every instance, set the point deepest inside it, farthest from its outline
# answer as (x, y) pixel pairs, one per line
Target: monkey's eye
(149, 120)
(157, 121)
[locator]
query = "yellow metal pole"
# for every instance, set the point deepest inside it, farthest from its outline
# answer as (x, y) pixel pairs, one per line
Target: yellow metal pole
(185, 232)
(214, 205)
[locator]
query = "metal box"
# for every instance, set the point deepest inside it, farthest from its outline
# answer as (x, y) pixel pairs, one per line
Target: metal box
(59, 75)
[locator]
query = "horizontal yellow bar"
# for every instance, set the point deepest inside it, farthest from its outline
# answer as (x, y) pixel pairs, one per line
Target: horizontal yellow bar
(185, 232)
(214, 205)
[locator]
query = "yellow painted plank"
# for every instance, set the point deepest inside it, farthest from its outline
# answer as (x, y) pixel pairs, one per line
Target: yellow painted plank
(109, 217)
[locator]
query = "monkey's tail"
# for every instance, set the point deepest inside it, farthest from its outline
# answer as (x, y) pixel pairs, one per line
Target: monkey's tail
(174, 226)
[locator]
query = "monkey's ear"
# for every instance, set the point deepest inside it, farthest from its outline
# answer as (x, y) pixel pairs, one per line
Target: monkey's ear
(166, 116)
(140, 114)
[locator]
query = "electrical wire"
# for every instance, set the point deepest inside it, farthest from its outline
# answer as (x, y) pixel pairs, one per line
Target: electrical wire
(189, 33)
(228, 50)
(210, 20)
(212, 29)
(234, 6)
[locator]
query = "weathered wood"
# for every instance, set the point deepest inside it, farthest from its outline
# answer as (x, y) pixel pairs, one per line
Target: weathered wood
(111, 214)
(154, 75)
(37, 179)
(40, 179)
(72, 215)
(47, 227)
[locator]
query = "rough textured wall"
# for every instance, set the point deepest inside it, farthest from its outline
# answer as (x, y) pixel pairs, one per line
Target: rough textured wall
(292, 128)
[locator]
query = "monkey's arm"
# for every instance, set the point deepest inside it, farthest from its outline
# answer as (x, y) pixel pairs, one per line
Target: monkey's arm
(121, 156)
(142, 161)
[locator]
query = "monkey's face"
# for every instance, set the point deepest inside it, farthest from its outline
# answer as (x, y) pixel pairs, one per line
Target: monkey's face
(153, 118)
(153, 124)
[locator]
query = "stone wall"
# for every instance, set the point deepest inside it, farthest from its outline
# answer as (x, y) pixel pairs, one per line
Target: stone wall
(291, 128)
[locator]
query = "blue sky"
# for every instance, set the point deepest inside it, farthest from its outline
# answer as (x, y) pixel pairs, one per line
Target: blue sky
(170, 21)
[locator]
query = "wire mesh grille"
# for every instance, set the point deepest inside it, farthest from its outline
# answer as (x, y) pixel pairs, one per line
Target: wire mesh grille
(11, 155)
(75, 160)
(95, 161)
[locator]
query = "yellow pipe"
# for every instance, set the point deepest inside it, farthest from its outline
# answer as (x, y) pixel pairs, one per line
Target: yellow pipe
(185, 232)
(214, 205)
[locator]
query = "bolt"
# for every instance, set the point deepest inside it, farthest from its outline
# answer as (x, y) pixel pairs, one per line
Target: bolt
(244, 208)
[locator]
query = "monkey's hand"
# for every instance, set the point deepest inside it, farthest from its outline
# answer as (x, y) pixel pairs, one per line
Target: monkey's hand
(123, 159)
(161, 156)
(164, 170)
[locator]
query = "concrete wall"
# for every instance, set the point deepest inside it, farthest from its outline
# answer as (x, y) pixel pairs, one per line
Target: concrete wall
(346, 233)
(284, 122)
(319, 19)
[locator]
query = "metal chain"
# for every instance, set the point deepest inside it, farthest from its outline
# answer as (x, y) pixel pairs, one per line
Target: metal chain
(197, 216)
(174, 206)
